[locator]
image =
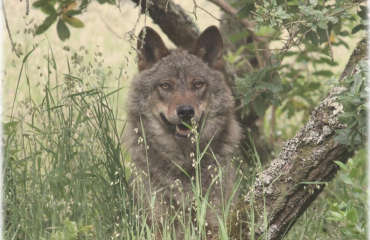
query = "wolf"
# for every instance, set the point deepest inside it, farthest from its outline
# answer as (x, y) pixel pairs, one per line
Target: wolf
(180, 100)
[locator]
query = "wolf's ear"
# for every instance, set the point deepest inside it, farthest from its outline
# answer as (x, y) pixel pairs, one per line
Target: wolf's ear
(151, 48)
(209, 47)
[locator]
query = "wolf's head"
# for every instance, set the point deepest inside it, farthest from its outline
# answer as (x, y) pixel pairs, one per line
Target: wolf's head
(175, 86)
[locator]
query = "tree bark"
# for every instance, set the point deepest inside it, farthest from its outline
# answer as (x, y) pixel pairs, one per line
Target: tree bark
(173, 21)
(284, 191)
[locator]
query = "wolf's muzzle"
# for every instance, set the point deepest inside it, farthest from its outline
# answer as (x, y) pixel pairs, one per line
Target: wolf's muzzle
(179, 130)
(185, 112)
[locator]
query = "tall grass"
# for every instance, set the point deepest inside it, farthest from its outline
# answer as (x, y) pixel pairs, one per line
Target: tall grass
(66, 172)
(63, 159)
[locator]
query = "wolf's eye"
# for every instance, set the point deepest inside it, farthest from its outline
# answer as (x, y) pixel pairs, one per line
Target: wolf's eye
(198, 84)
(165, 86)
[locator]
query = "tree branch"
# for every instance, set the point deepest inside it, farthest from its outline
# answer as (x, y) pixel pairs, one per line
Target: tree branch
(233, 12)
(283, 191)
(173, 21)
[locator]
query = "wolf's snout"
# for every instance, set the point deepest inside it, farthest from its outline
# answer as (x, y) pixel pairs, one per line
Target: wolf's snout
(185, 112)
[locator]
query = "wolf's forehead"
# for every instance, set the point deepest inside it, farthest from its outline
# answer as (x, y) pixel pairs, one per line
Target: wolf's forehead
(181, 63)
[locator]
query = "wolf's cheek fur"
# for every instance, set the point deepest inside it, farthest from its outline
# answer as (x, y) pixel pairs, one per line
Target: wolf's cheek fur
(161, 108)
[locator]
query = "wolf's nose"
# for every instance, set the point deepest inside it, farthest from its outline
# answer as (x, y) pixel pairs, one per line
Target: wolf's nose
(185, 112)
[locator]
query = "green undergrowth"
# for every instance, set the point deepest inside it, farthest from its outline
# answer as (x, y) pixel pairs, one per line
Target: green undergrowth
(65, 176)
(66, 173)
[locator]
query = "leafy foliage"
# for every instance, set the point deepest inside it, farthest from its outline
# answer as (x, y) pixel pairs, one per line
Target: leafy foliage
(261, 88)
(65, 12)
(354, 102)
(314, 27)
(350, 213)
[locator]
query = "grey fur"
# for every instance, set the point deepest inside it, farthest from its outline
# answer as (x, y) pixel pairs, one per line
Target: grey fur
(220, 127)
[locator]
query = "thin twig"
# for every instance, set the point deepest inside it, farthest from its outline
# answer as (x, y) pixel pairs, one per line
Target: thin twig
(292, 34)
(297, 44)
(272, 126)
(331, 50)
(119, 5)
(111, 29)
(195, 9)
(218, 19)
(259, 60)
(27, 7)
(328, 37)
(7, 27)
(267, 49)
(167, 5)
(195, 15)
(226, 7)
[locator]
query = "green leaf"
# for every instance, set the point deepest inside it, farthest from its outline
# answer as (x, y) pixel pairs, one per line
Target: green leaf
(353, 173)
(352, 215)
(74, 22)
(312, 36)
(274, 100)
(70, 230)
(344, 33)
(276, 82)
(63, 31)
(325, 73)
(85, 229)
(248, 97)
(327, 61)
(259, 106)
(347, 117)
(246, 10)
(338, 26)
(357, 82)
(313, 26)
(73, 12)
(46, 24)
(272, 22)
(48, 9)
(341, 165)
(363, 12)
(363, 180)
(280, 13)
(287, 88)
(364, 67)
(313, 2)
(358, 28)
(337, 216)
(38, 4)
(321, 33)
(322, 25)
(346, 179)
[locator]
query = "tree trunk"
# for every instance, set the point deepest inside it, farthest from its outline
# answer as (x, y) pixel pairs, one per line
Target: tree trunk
(284, 191)
(173, 21)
